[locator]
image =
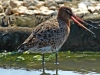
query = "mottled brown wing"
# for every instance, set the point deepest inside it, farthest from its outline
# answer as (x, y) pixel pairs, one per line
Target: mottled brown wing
(41, 35)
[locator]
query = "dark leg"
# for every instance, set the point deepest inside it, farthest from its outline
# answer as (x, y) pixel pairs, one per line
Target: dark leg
(43, 63)
(56, 69)
(43, 59)
(56, 58)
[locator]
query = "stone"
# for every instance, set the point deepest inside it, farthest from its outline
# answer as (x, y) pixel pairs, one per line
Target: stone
(97, 8)
(28, 12)
(95, 13)
(5, 4)
(98, 4)
(14, 10)
(82, 6)
(49, 12)
(2, 14)
(60, 5)
(43, 8)
(52, 8)
(0, 3)
(22, 8)
(91, 8)
(59, 1)
(93, 1)
(28, 3)
(81, 12)
(1, 9)
(49, 3)
(5, 21)
(40, 3)
(74, 10)
(8, 10)
(37, 12)
(17, 12)
(77, 11)
(55, 13)
(14, 3)
(32, 8)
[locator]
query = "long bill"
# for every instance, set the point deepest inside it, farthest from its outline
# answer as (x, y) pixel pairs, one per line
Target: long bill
(77, 20)
(84, 21)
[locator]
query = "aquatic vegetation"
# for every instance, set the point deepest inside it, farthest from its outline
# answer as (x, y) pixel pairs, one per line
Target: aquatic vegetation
(27, 59)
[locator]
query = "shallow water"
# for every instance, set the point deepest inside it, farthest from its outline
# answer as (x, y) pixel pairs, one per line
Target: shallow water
(39, 72)
(80, 63)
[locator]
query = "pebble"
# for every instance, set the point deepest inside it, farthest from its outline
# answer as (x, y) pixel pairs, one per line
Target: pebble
(39, 4)
(97, 7)
(52, 8)
(1, 9)
(91, 8)
(5, 4)
(28, 3)
(2, 14)
(14, 10)
(82, 6)
(59, 1)
(49, 3)
(81, 12)
(22, 8)
(32, 8)
(45, 7)
(29, 12)
(37, 12)
(0, 3)
(49, 12)
(8, 10)
(14, 3)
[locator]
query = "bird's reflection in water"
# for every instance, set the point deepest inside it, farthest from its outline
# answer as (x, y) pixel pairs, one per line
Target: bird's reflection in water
(44, 73)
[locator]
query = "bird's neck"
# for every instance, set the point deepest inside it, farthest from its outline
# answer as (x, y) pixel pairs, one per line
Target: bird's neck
(64, 22)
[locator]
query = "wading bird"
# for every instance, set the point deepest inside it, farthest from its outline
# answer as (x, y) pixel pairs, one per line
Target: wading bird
(50, 35)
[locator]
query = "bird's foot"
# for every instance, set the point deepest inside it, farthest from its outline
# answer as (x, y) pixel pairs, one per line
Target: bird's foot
(56, 63)
(43, 63)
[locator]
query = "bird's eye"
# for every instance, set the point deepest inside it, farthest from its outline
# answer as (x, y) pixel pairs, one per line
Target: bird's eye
(69, 12)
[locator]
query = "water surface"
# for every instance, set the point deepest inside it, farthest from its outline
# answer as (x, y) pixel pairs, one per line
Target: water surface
(39, 72)
(80, 63)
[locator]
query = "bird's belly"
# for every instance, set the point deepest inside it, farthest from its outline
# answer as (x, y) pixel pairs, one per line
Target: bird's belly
(46, 49)
(52, 46)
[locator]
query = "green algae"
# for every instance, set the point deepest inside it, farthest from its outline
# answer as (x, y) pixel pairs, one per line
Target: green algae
(68, 60)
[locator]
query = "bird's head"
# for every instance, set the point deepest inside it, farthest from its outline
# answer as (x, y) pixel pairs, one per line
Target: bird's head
(65, 14)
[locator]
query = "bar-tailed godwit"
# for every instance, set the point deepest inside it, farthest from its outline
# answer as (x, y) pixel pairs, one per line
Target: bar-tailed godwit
(50, 35)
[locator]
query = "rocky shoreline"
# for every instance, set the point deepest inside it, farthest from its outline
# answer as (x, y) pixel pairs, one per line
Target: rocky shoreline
(46, 7)
(29, 13)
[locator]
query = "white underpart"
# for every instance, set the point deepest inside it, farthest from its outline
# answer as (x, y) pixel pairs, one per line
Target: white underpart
(47, 49)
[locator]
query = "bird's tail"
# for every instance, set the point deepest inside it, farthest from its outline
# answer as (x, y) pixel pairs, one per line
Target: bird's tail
(21, 48)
